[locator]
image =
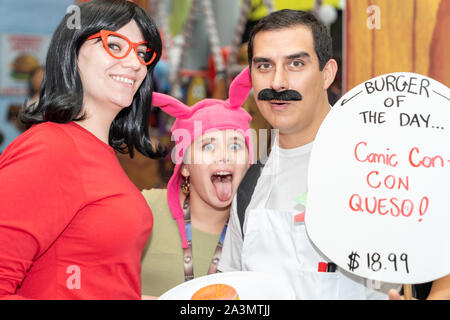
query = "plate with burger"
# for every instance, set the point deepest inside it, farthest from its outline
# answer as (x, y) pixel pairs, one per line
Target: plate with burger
(239, 285)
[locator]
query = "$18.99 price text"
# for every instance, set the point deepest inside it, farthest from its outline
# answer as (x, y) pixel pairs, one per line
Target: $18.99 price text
(376, 262)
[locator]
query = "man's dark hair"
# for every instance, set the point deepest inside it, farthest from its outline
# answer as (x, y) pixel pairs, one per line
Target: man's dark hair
(288, 18)
(61, 95)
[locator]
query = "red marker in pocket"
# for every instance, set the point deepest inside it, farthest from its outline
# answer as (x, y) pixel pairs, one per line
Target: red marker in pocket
(326, 267)
(299, 217)
(322, 267)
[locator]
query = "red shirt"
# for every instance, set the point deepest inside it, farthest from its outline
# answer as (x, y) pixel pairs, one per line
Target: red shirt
(72, 225)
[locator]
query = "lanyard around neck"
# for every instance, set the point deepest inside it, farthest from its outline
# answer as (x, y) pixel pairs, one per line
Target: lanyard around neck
(187, 252)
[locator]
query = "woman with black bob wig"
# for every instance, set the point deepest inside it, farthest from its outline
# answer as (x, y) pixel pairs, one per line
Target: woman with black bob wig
(72, 225)
(61, 96)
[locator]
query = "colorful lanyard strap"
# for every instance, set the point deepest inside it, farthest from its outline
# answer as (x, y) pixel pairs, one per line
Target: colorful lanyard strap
(187, 252)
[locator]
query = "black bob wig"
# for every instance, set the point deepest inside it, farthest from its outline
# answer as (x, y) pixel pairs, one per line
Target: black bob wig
(61, 94)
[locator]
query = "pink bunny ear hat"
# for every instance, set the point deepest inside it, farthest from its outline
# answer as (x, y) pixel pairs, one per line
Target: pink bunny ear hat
(207, 115)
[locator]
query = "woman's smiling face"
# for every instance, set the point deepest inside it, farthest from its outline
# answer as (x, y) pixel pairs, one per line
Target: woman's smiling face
(108, 81)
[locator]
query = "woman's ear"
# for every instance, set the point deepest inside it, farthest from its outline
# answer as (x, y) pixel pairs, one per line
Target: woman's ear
(329, 73)
(185, 171)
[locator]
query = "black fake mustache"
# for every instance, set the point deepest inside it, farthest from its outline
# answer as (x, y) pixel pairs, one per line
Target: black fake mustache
(286, 95)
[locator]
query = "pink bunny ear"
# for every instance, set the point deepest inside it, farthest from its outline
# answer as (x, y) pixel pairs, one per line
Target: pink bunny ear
(240, 87)
(170, 105)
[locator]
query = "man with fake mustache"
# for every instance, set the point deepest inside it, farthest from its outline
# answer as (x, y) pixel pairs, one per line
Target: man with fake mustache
(289, 56)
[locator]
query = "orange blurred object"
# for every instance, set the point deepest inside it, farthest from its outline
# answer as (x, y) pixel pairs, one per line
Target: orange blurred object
(218, 291)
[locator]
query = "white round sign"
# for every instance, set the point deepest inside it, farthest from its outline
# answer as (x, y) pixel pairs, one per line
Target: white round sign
(379, 180)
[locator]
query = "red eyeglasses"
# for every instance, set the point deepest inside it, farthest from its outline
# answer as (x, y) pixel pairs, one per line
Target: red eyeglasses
(118, 46)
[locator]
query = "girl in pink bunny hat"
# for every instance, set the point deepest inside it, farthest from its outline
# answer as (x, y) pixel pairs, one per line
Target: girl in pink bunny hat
(213, 150)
